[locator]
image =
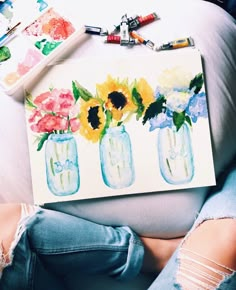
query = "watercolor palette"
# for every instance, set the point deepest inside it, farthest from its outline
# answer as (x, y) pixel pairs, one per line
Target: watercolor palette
(38, 43)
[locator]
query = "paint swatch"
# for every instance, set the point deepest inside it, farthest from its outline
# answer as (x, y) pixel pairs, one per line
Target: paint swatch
(49, 31)
(45, 38)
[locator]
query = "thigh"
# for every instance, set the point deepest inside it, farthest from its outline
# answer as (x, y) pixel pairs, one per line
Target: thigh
(160, 215)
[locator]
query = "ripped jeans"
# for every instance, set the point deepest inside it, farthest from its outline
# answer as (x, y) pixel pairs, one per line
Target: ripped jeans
(51, 248)
(187, 270)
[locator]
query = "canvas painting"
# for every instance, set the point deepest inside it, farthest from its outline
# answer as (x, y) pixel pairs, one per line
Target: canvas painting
(110, 127)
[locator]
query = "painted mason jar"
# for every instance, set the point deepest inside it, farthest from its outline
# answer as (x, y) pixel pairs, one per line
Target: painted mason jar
(175, 154)
(116, 158)
(62, 167)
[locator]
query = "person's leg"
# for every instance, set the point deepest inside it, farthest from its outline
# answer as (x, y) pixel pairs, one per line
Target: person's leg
(52, 242)
(206, 259)
(208, 256)
(10, 213)
(157, 253)
(65, 243)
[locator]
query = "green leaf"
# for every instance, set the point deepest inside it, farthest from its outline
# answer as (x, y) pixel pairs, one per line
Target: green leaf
(108, 122)
(52, 167)
(154, 109)
(75, 91)
(42, 140)
(136, 97)
(29, 100)
(188, 120)
(119, 123)
(197, 83)
(178, 119)
(80, 91)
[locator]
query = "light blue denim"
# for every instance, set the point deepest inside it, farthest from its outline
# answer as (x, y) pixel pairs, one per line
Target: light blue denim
(221, 203)
(55, 246)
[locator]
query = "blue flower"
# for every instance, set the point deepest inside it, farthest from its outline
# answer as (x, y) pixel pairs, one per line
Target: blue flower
(162, 120)
(197, 107)
(179, 100)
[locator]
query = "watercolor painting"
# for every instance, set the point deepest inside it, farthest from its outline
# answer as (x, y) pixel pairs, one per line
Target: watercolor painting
(127, 129)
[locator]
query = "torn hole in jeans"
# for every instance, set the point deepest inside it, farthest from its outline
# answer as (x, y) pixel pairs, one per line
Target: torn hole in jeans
(197, 272)
(6, 257)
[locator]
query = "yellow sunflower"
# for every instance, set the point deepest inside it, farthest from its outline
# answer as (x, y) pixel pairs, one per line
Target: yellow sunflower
(145, 91)
(92, 119)
(116, 96)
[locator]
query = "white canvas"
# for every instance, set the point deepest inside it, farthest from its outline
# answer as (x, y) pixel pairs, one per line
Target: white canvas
(171, 76)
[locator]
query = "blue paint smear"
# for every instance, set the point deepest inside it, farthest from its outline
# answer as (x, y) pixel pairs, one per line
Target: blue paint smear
(43, 5)
(5, 8)
(7, 5)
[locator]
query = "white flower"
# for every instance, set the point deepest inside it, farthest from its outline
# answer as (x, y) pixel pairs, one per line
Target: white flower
(177, 101)
(174, 78)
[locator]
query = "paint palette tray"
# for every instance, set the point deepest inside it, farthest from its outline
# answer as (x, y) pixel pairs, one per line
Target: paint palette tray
(41, 41)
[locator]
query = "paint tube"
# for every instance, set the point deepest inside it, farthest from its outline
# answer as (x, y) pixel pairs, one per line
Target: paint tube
(129, 19)
(137, 21)
(178, 43)
(95, 30)
(124, 31)
(143, 20)
(117, 39)
(142, 40)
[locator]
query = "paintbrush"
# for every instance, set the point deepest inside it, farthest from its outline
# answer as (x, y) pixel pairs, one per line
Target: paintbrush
(5, 37)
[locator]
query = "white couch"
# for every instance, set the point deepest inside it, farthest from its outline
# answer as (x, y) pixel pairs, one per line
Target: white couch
(214, 33)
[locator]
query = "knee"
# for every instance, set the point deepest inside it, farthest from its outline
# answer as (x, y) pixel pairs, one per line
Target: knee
(222, 232)
(229, 238)
(208, 256)
(215, 239)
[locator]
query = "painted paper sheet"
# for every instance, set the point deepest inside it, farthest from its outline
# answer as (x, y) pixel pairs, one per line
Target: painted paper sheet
(109, 127)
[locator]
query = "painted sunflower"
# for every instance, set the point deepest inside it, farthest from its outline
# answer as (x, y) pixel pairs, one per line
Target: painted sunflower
(92, 119)
(142, 95)
(116, 96)
(145, 91)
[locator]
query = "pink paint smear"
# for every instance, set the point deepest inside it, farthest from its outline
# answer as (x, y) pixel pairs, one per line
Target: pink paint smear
(50, 24)
(32, 58)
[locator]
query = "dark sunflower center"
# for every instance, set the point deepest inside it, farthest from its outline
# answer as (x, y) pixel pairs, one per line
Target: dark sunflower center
(117, 99)
(93, 118)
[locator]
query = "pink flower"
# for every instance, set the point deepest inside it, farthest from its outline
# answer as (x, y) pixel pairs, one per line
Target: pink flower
(74, 124)
(36, 113)
(50, 123)
(64, 100)
(46, 102)
(59, 102)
